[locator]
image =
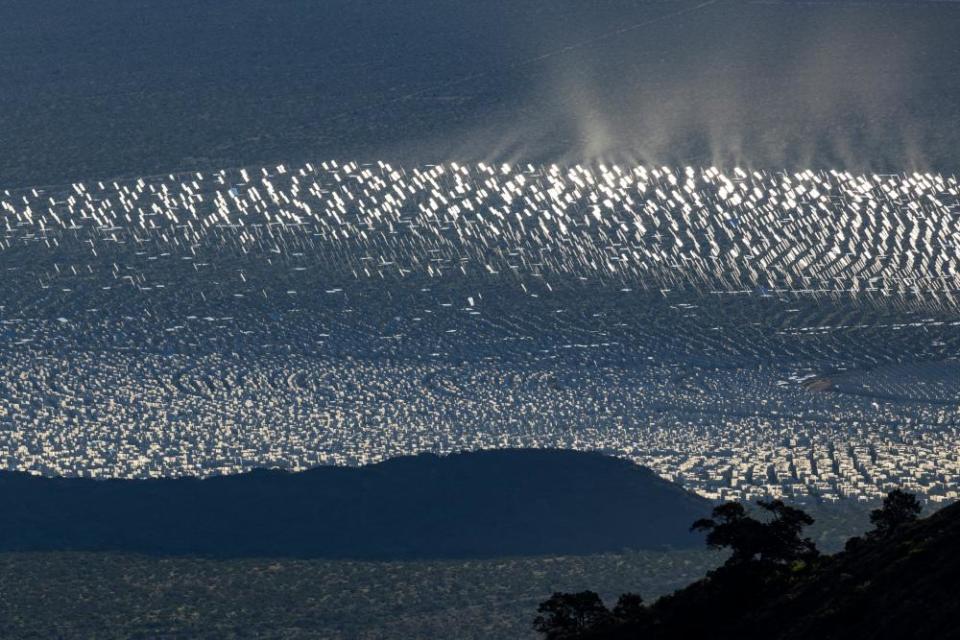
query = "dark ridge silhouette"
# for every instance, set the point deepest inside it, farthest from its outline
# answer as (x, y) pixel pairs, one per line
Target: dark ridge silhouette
(489, 503)
(899, 581)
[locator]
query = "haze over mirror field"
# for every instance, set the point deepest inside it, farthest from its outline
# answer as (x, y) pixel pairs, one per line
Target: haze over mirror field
(138, 88)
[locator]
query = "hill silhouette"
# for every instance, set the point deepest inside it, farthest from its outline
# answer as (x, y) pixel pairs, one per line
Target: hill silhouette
(488, 503)
(880, 587)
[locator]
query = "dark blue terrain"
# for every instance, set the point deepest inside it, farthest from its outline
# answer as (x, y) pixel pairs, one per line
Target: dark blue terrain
(491, 503)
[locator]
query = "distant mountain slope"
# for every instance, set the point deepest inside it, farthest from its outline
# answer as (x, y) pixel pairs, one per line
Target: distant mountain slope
(903, 587)
(507, 502)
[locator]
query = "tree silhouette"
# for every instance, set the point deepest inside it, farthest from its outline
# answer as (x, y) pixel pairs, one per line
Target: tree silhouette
(899, 508)
(775, 541)
(730, 527)
(784, 542)
(567, 615)
(630, 609)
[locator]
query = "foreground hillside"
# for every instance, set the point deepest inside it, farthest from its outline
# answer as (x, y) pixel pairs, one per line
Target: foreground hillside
(903, 588)
(898, 583)
(490, 503)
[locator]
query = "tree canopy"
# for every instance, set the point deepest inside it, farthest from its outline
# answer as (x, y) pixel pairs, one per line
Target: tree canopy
(899, 508)
(568, 615)
(776, 540)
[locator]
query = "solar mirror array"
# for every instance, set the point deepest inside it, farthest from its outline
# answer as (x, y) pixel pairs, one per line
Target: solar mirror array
(744, 333)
